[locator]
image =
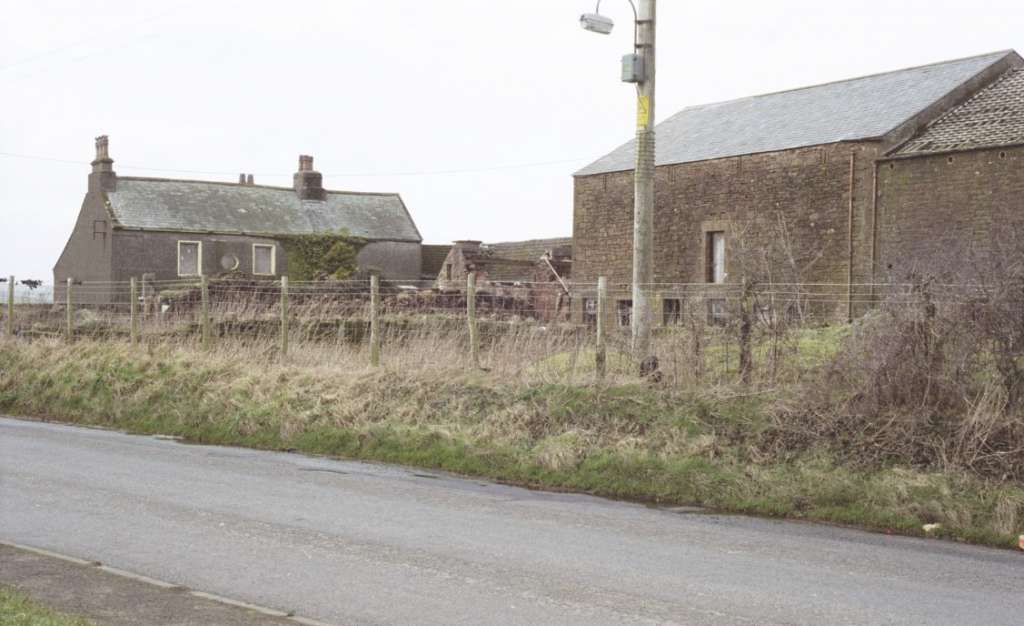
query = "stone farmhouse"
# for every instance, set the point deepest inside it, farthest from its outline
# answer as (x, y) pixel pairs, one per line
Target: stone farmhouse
(845, 184)
(170, 229)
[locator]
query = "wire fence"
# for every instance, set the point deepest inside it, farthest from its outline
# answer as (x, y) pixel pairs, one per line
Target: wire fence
(701, 332)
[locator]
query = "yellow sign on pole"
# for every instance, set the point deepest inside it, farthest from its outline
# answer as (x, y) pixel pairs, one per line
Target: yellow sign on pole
(643, 111)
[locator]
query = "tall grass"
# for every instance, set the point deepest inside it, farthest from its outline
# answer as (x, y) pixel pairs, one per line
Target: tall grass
(521, 423)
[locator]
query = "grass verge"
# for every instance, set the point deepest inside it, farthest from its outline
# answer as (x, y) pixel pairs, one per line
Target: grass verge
(17, 609)
(623, 441)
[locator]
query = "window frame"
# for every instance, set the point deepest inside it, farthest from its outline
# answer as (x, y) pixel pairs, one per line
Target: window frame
(589, 317)
(624, 306)
(671, 318)
(199, 258)
(710, 264)
(273, 259)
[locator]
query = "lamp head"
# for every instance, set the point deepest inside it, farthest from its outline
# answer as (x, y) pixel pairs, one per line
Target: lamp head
(596, 23)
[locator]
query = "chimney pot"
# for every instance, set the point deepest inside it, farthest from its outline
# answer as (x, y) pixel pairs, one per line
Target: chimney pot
(305, 163)
(248, 179)
(102, 149)
(241, 179)
(103, 177)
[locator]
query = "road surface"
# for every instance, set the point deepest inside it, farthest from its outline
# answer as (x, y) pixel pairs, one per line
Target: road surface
(356, 543)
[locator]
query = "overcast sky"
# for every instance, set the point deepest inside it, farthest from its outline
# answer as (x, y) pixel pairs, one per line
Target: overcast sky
(476, 111)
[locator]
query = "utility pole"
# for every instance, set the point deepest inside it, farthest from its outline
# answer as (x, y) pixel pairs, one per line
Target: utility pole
(638, 68)
(643, 201)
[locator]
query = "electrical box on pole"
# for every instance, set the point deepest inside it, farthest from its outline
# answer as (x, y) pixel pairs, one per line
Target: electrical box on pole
(633, 68)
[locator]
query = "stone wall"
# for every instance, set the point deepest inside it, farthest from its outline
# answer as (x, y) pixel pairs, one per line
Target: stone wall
(944, 215)
(87, 254)
(788, 212)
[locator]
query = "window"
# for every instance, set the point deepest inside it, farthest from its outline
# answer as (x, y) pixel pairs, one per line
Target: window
(624, 308)
(190, 257)
(714, 250)
(590, 311)
(447, 271)
(672, 310)
(717, 313)
(264, 259)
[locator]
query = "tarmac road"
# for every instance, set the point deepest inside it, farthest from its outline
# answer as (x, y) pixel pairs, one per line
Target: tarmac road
(356, 543)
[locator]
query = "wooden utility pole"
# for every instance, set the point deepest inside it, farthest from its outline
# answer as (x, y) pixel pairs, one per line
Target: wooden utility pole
(643, 203)
(746, 313)
(10, 306)
(133, 298)
(284, 315)
(600, 351)
(474, 338)
(374, 321)
(69, 322)
(204, 310)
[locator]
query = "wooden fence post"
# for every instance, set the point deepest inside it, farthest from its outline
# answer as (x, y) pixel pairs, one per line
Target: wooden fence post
(204, 310)
(374, 321)
(10, 306)
(474, 338)
(69, 322)
(746, 359)
(600, 351)
(133, 295)
(284, 315)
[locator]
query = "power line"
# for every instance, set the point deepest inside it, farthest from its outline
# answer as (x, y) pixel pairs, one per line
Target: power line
(53, 51)
(338, 175)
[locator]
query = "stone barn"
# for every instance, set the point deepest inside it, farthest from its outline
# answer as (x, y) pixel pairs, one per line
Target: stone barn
(843, 185)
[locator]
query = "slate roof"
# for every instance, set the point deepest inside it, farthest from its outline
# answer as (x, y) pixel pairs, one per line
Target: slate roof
(859, 108)
(198, 206)
(993, 117)
(529, 250)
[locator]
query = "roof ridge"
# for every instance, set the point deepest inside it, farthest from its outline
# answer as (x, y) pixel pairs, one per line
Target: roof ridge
(157, 179)
(999, 53)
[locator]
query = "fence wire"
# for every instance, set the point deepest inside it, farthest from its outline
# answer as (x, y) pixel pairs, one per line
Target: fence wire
(702, 332)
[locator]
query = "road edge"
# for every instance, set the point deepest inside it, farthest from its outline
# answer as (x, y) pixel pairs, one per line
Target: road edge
(164, 585)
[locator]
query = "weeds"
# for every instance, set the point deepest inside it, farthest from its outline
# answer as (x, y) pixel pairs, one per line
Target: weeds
(628, 440)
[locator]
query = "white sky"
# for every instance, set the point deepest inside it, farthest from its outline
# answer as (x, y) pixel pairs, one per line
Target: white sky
(395, 95)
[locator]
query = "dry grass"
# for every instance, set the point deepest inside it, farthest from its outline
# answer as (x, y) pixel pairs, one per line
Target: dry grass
(538, 423)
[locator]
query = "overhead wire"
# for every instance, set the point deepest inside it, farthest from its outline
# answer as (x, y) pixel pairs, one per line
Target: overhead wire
(337, 175)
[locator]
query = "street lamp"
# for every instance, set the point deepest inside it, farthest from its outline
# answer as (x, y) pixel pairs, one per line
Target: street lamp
(638, 68)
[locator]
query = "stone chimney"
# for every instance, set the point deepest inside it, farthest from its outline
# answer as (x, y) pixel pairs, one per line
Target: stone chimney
(103, 177)
(308, 183)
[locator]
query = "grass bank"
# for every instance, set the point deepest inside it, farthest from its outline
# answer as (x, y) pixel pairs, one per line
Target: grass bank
(16, 609)
(626, 441)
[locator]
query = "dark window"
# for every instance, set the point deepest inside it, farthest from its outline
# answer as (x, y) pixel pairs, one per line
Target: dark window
(624, 308)
(717, 313)
(447, 271)
(672, 311)
(714, 257)
(590, 311)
